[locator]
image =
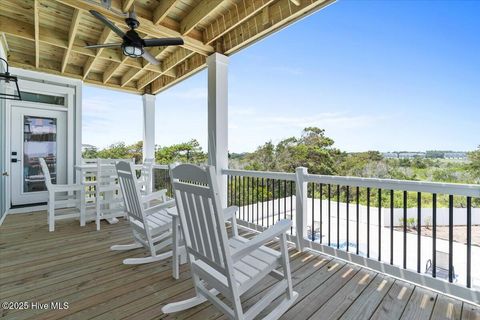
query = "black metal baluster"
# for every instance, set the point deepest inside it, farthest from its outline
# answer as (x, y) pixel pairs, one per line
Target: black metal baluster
(321, 212)
(392, 195)
(469, 242)
(329, 213)
(284, 199)
(434, 235)
(368, 222)
(404, 229)
(348, 215)
(268, 205)
(248, 199)
(263, 182)
(231, 190)
(338, 216)
(357, 196)
(419, 229)
(291, 205)
(379, 224)
(236, 191)
(256, 198)
(273, 202)
(243, 198)
(279, 200)
(313, 211)
(450, 238)
(229, 182)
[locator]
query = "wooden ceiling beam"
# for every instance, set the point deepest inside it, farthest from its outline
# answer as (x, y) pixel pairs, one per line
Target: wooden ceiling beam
(197, 14)
(146, 26)
(282, 13)
(17, 28)
(156, 52)
(71, 37)
(129, 75)
(233, 18)
(22, 30)
(176, 57)
(112, 68)
(188, 67)
(126, 5)
(52, 70)
(106, 33)
(162, 10)
(36, 21)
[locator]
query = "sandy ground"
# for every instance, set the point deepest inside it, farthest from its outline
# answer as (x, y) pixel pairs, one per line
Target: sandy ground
(459, 233)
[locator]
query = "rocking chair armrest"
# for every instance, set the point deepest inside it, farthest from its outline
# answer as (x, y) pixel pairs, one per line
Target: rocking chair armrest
(229, 212)
(172, 212)
(277, 229)
(162, 206)
(161, 194)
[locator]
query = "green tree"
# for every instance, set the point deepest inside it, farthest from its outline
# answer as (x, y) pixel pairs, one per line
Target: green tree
(474, 165)
(90, 153)
(313, 150)
(190, 152)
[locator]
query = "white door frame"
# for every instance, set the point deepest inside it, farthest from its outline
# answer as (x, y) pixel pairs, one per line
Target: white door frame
(31, 108)
(38, 82)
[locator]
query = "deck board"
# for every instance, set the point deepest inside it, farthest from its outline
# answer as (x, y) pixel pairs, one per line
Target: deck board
(420, 305)
(74, 264)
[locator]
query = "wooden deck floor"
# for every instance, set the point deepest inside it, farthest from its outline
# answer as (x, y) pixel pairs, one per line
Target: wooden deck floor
(75, 265)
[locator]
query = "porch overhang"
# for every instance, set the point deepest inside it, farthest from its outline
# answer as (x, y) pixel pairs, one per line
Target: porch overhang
(50, 36)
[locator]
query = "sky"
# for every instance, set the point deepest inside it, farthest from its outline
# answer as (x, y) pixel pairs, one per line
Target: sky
(376, 75)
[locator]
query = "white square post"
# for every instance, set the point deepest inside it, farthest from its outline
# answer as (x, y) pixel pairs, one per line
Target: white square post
(218, 118)
(148, 126)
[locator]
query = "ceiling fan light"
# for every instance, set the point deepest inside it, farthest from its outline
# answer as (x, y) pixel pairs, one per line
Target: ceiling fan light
(132, 51)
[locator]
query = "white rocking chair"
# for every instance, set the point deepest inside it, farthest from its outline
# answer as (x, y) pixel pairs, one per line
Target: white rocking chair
(152, 226)
(145, 180)
(62, 196)
(228, 266)
(109, 202)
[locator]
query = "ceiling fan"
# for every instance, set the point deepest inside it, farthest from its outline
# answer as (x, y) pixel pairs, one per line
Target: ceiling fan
(132, 45)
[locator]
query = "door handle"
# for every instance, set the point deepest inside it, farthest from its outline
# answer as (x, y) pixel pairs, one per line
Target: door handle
(5, 174)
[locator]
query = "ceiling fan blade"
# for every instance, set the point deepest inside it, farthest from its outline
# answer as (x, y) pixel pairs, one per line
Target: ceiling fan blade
(108, 23)
(105, 45)
(163, 42)
(147, 56)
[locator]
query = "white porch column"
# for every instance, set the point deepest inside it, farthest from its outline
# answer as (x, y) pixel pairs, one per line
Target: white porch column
(148, 126)
(218, 117)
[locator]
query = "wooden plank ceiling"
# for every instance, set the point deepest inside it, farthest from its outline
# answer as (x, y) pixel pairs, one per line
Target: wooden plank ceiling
(50, 35)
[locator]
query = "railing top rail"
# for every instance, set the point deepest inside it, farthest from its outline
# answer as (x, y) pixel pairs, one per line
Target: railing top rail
(260, 174)
(160, 166)
(469, 190)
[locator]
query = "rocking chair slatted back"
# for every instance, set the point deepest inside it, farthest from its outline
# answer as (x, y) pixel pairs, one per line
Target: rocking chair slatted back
(201, 215)
(46, 173)
(130, 191)
(146, 175)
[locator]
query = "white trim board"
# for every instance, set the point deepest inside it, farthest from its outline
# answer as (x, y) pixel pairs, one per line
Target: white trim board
(41, 81)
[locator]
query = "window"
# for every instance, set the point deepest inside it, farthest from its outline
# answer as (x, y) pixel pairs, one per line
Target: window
(43, 98)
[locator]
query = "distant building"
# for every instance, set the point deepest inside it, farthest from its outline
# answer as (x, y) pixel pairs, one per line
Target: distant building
(411, 155)
(88, 147)
(455, 155)
(390, 155)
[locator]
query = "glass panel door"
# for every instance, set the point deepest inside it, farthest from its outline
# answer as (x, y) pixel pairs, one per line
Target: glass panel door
(36, 133)
(39, 141)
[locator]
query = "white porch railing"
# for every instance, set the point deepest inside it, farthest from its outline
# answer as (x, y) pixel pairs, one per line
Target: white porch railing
(356, 219)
